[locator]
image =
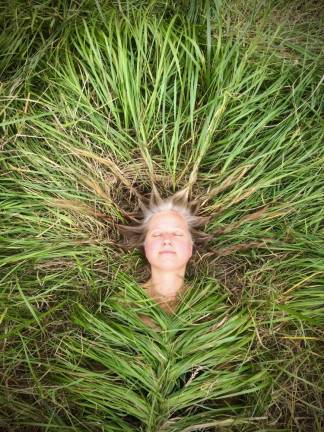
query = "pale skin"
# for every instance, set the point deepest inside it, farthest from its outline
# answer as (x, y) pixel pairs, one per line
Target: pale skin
(168, 247)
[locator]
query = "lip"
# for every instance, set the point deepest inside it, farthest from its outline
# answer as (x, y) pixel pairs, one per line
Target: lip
(167, 252)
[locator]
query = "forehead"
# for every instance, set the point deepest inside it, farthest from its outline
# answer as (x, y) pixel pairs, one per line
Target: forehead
(167, 219)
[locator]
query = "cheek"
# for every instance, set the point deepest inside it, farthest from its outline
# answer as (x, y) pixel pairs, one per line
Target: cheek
(150, 247)
(185, 248)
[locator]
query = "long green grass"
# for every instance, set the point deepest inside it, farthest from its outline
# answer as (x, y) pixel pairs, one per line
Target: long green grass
(98, 101)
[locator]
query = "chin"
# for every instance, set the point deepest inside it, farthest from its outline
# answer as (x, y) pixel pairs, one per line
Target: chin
(170, 266)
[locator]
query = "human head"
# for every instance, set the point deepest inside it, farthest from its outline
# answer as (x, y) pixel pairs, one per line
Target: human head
(179, 205)
(168, 242)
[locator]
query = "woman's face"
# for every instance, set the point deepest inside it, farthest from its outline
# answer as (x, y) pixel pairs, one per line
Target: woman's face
(168, 242)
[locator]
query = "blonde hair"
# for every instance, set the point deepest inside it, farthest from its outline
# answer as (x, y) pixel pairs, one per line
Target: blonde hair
(178, 202)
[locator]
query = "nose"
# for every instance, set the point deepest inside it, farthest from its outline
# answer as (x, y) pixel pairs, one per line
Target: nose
(166, 238)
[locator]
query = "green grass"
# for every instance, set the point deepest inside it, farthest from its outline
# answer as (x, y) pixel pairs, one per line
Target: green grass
(97, 102)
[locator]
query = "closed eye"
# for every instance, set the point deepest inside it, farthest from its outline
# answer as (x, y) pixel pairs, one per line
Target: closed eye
(159, 235)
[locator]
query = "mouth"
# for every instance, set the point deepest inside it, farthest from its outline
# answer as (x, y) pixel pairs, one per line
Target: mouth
(167, 252)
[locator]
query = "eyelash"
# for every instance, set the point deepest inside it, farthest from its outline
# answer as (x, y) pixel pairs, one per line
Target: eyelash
(158, 235)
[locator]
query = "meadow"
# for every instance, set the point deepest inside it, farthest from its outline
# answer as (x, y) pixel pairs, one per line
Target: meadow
(99, 100)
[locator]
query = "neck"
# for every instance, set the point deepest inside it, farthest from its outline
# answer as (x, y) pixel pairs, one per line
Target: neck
(166, 285)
